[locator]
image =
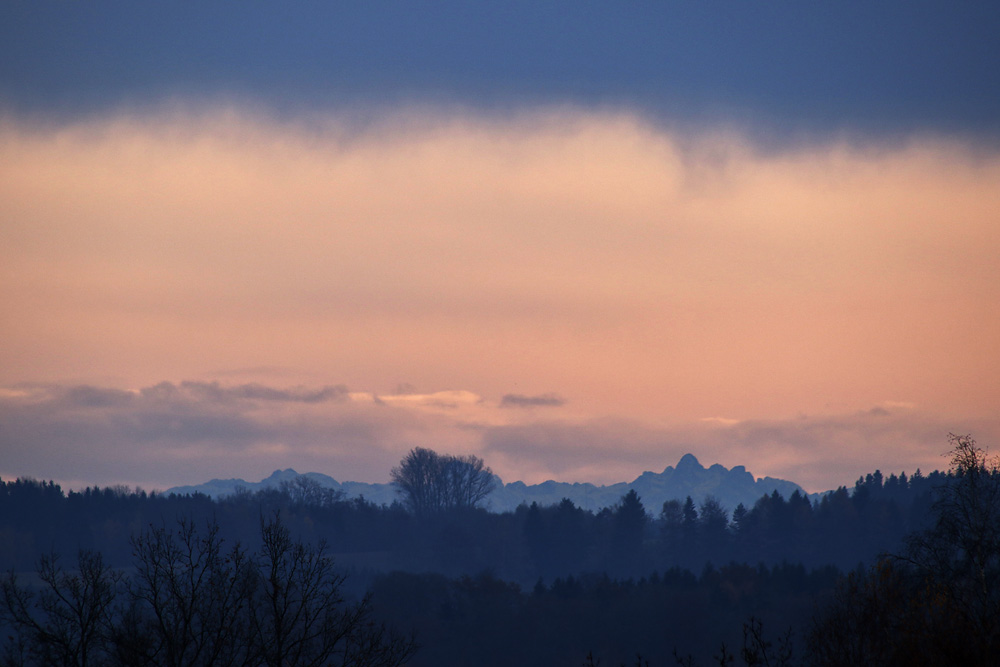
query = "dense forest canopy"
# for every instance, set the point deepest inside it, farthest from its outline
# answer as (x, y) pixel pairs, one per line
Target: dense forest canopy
(843, 528)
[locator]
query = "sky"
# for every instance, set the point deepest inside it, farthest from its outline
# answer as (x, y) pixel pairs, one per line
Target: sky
(576, 239)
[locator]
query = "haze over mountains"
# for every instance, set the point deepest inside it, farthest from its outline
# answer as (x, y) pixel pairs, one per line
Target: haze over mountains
(689, 478)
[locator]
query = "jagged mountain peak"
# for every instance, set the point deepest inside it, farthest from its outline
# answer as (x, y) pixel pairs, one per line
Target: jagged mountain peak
(688, 462)
(278, 475)
(690, 478)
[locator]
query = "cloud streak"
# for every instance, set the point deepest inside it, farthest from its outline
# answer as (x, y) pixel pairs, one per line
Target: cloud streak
(541, 401)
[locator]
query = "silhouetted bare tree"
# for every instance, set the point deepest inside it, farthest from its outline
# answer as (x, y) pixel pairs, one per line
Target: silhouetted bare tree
(959, 556)
(299, 616)
(189, 600)
(64, 621)
(194, 603)
(306, 491)
(430, 482)
(938, 603)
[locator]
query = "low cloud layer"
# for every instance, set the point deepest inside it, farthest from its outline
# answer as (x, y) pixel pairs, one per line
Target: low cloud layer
(170, 434)
(180, 433)
(819, 452)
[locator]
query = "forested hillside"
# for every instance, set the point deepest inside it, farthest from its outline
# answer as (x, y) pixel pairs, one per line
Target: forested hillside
(546, 585)
(628, 538)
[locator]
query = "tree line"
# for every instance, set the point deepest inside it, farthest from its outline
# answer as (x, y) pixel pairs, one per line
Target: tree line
(438, 566)
(934, 601)
(432, 528)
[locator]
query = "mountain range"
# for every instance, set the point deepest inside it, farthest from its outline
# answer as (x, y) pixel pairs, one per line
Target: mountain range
(689, 478)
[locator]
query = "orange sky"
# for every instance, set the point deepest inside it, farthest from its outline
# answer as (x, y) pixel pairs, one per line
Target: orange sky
(812, 312)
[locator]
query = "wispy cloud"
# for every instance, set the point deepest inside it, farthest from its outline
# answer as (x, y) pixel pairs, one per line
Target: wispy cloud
(214, 392)
(540, 401)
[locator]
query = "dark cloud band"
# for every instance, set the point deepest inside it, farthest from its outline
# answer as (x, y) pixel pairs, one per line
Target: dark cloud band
(879, 66)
